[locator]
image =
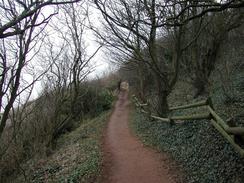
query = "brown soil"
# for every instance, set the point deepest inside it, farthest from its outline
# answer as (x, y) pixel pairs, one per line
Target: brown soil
(126, 160)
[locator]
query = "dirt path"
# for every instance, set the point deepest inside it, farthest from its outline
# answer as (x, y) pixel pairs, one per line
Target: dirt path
(126, 160)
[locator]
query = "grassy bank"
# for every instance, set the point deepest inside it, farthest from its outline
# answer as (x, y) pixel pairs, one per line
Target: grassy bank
(76, 159)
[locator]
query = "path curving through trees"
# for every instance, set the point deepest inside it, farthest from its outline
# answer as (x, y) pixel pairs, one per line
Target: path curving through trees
(126, 160)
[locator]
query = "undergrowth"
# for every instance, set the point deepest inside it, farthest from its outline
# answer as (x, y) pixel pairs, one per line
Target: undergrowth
(202, 152)
(76, 159)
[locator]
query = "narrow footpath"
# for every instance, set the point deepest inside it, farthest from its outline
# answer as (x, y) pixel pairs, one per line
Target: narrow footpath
(126, 160)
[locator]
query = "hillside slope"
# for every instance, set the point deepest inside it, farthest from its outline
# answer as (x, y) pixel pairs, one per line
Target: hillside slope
(197, 146)
(76, 159)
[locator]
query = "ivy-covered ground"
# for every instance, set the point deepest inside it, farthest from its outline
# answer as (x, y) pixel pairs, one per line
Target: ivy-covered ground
(76, 159)
(204, 155)
(201, 151)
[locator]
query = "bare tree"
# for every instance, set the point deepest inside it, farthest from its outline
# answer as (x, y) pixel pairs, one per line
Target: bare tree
(203, 7)
(70, 65)
(201, 55)
(75, 19)
(20, 26)
(133, 29)
(17, 11)
(13, 63)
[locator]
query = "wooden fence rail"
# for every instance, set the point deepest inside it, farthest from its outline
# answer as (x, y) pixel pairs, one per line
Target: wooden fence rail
(229, 133)
(196, 104)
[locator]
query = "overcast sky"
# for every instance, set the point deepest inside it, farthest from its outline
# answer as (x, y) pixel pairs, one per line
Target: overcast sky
(100, 60)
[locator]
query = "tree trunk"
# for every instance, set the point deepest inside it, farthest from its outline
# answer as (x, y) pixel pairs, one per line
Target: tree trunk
(142, 85)
(205, 68)
(162, 103)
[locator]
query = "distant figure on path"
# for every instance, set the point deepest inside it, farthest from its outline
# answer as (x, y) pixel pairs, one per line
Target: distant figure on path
(119, 83)
(123, 89)
(124, 86)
